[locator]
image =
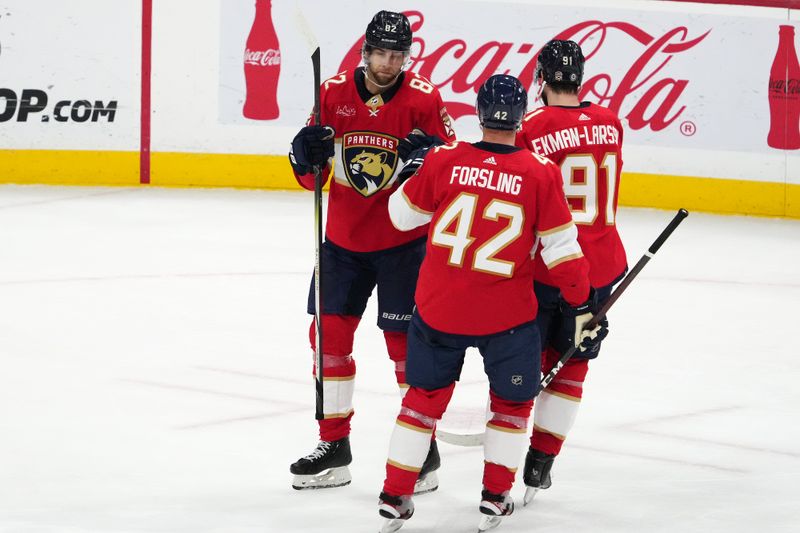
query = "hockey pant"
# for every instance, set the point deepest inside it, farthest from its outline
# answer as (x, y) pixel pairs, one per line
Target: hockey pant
(339, 370)
(557, 406)
(506, 436)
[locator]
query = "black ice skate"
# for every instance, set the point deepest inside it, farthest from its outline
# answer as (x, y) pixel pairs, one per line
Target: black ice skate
(396, 510)
(325, 467)
(428, 481)
(494, 507)
(537, 473)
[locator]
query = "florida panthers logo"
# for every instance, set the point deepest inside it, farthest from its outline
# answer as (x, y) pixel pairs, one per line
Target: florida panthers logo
(369, 160)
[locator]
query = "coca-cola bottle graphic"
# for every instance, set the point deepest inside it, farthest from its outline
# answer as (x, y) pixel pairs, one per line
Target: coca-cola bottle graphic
(784, 94)
(262, 66)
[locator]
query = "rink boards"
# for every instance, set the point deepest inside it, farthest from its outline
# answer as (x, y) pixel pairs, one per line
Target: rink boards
(124, 101)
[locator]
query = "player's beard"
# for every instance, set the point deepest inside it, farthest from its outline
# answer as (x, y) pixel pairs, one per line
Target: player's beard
(383, 76)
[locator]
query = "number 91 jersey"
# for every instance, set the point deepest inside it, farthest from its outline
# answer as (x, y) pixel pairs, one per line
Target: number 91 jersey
(586, 143)
(487, 204)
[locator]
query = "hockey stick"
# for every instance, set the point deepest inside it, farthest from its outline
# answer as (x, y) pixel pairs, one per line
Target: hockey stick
(318, 249)
(305, 29)
(476, 439)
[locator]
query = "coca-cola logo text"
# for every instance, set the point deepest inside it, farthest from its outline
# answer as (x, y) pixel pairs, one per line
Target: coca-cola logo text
(266, 58)
(781, 86)
(643, 94)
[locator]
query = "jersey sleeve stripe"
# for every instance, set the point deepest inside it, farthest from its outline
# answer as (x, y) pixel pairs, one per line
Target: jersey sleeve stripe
(550, 231)
(404, 214)
(560, 246)
(564, 260)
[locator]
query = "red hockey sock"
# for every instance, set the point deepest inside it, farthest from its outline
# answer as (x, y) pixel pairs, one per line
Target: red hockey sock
(410, 442)
(338, 332)
(505, 438)
(396, 345)
(556, 414)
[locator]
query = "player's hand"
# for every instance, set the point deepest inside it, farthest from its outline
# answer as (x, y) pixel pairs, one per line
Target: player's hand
(416, 140)
(312, 146)
(412, 164)
(575, 319)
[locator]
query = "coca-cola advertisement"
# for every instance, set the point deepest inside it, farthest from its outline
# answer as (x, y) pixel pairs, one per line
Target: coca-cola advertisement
(784, 94)
(259, 62)
(680, 78)
(262, 66)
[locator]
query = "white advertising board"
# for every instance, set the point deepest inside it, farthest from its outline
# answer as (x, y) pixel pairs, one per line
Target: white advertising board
(691, 81)
(70, 75)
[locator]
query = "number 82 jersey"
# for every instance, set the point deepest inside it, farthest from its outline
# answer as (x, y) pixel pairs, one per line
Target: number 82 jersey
(368, 130)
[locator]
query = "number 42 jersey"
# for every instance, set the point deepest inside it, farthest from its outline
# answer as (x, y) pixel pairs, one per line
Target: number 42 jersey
(585, 141)
(487, 204)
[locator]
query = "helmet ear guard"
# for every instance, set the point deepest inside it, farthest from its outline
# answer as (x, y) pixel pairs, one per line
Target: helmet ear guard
(502, 102)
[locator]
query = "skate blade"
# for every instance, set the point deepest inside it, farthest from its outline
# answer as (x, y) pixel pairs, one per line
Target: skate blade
(530, 493)
(427, 484)
(489, 522)
(390, 525)
(333, 477)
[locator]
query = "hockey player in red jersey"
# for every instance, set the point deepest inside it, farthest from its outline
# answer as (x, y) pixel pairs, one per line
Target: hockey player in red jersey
(364, 113)
(585, 141)
(488, 205)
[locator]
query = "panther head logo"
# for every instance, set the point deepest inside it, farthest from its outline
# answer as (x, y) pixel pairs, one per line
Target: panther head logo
(371, 168)
(370, 160)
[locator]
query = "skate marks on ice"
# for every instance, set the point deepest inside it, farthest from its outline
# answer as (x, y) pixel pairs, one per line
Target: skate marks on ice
(57, 195)
(717, 281)
(658, 459)
(362, 388)
(278, 407)
(281, 406)
(662, 429)
(140, 472)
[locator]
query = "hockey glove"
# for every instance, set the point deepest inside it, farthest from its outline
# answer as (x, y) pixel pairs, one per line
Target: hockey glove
(412, 150)
(574, 319)
(312, 146)
(415, 160)
(416, 140)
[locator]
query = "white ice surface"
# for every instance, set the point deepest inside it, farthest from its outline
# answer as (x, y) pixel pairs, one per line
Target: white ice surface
(155, 377)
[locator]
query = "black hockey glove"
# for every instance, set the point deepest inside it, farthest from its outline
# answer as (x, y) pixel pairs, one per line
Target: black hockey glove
(415, 160)
(574, 319)
(312, 146)
(416, 140)
(412, 151)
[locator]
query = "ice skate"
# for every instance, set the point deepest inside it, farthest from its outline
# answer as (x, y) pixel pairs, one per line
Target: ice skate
(494, 508)
(428, 481)
(536, 474)
(396, 510)
(325, 467)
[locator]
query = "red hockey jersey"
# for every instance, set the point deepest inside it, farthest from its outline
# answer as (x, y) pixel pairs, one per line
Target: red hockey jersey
(586, 142)
(487, 204)
(368, 129)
